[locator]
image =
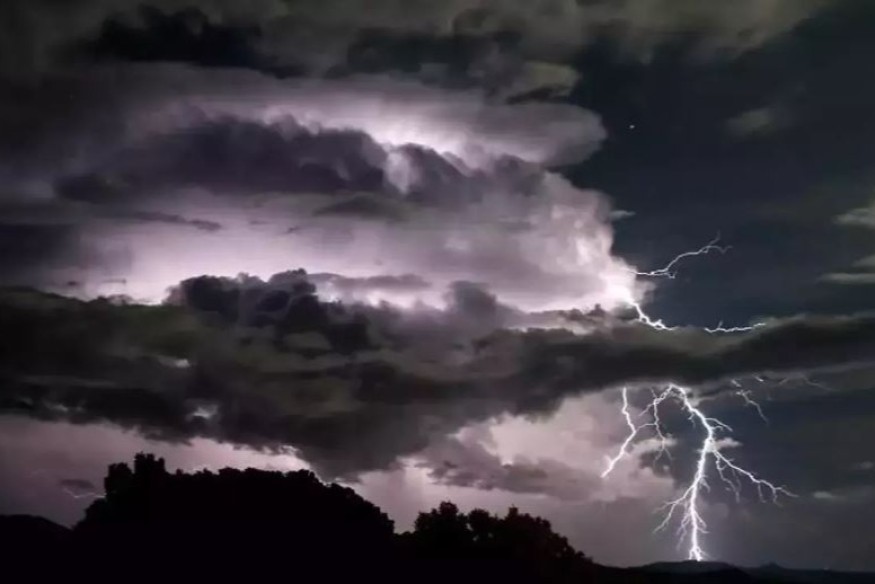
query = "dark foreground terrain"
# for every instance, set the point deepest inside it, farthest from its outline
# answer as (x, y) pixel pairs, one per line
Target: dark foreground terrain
(258, 526)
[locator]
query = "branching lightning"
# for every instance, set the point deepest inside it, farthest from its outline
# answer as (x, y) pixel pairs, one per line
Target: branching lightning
(658, 324)
(634, 429)
(667, 271)
(710, 455)
(744, 394)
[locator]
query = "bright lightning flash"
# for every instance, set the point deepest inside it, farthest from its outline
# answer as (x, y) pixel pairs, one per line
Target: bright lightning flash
(710, 454)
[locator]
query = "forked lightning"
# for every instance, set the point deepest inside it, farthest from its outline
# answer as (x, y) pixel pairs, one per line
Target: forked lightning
(710, 456)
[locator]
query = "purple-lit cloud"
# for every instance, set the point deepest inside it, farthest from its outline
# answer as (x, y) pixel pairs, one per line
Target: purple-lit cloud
(364, 178)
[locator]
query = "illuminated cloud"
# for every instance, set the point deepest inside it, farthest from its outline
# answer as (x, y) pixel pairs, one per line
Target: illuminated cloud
(859, 217)
(862, 272)
(361, 178)
(563, 458)
(850, 278)
(758, 122)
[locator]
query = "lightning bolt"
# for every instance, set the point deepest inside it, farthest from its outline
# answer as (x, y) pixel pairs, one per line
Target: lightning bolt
(744, 394)
(710, 456)
(78, 496)
(634, 429)
(658, 324)
(667, 271)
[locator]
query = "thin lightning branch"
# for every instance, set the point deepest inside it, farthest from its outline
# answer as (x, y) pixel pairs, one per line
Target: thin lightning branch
(80, 496)
(667, 271)
(735, 329)
(744, 394)
(634, 430)
(653, 410)
(645, 319)
(660, 325)
(688, 504)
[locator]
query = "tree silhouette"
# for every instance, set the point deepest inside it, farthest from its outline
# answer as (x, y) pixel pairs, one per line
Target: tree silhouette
(259, 526)
(517, 547)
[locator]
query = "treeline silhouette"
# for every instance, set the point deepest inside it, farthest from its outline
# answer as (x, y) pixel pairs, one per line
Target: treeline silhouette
(253, 526)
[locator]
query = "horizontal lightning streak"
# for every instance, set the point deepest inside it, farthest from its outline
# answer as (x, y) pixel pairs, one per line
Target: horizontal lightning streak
(657, 324)
(667, 271)
(78, 496)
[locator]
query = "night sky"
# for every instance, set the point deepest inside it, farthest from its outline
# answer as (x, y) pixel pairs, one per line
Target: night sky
(404, 243)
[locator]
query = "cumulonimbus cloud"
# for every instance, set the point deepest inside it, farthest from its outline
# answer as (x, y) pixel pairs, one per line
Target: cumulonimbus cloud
(359, 177)
(435, 222)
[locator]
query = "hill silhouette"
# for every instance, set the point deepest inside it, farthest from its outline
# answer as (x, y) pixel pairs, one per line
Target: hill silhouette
(253, 526)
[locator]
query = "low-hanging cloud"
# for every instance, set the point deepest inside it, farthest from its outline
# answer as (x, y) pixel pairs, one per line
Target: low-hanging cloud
(353, 387)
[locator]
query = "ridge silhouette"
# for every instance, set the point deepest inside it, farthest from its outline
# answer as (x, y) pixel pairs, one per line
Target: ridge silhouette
(253, 526)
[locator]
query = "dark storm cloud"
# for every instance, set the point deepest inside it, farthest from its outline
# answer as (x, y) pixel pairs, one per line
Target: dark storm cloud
(799, 343)
(61, 215)
(166, 219)
(52, 243)
(483, 40)
(464, 56)
(352, 387)
(23, 245)
(187, 35)
(34, 253)
(236, 156)
(365, 207)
